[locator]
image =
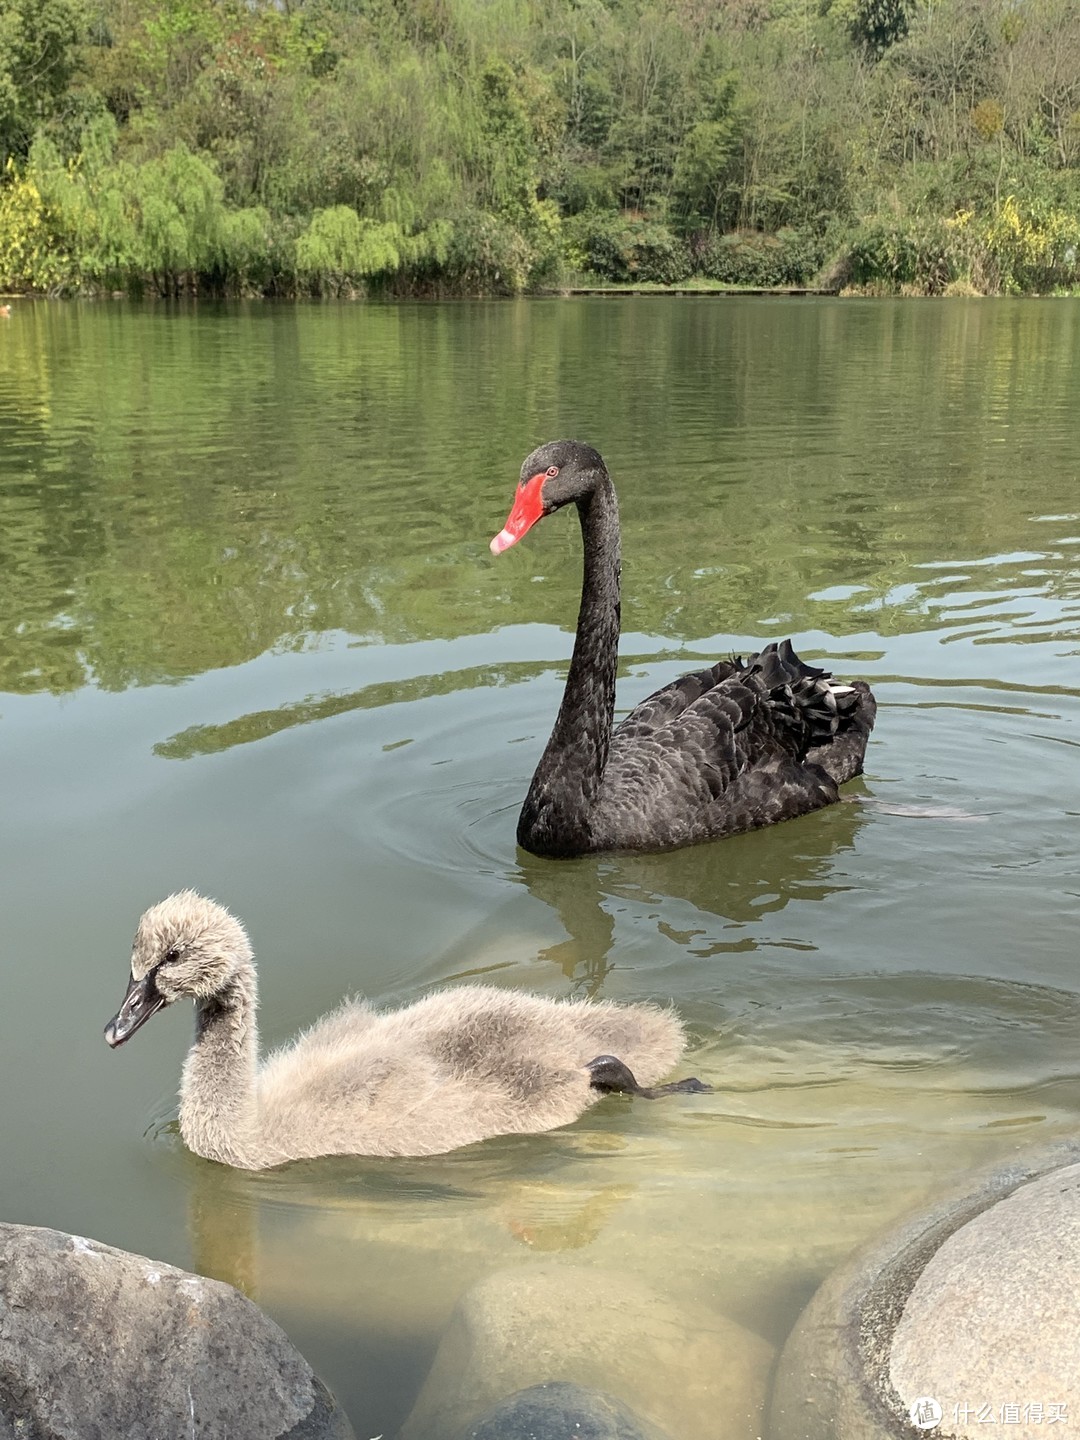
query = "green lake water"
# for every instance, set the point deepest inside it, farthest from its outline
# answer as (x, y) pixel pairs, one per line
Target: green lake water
(252, 640)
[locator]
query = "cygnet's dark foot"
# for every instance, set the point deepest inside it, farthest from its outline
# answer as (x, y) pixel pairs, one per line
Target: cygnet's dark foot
(610, 1074)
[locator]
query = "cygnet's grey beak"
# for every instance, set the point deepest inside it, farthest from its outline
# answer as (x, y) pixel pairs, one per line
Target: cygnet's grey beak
(142, 1000)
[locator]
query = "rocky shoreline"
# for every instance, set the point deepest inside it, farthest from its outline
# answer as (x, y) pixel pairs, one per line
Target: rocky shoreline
(965, 1314)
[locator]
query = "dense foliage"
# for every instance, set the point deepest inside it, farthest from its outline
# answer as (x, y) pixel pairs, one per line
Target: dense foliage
(492, 146)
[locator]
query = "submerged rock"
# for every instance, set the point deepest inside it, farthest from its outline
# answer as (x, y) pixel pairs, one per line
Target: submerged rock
(678, 1367)
(558, 1410)
(96, 1343)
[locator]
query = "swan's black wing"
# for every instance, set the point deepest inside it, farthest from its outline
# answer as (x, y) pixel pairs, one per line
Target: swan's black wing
(659, 709)
(700, 759)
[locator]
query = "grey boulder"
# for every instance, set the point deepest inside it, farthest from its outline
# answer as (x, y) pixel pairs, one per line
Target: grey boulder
(98, 1344)
(964, 1316)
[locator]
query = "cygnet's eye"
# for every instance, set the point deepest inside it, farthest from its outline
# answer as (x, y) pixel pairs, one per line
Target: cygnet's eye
(552, 471)
(170, 955)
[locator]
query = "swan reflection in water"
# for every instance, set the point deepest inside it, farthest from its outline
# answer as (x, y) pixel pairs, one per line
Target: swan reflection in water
(708, 900)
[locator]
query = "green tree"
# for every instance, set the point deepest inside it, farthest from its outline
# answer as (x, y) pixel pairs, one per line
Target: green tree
(507, 159)
(875, 25)
(702, 179)
(37, 61)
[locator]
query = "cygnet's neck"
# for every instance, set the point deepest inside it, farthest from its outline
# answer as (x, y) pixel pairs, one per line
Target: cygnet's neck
(218, 1095)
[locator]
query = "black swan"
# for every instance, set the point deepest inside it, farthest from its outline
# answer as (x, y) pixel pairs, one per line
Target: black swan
(730, 748)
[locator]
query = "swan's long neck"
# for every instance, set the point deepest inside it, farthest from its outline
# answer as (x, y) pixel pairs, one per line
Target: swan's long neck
(555, 819)
(218, 1092)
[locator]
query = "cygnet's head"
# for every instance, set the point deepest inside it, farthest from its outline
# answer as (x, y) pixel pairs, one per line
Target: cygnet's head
(186, 946)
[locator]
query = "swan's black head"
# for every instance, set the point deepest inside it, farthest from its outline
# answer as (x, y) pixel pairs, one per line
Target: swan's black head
(187, 946)
(553, 475)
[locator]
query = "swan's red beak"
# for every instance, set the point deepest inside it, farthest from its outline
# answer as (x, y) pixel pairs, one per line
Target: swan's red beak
(528, 508)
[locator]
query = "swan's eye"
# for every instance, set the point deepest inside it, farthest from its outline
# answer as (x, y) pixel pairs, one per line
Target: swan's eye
(170, 955)
(552, 471)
